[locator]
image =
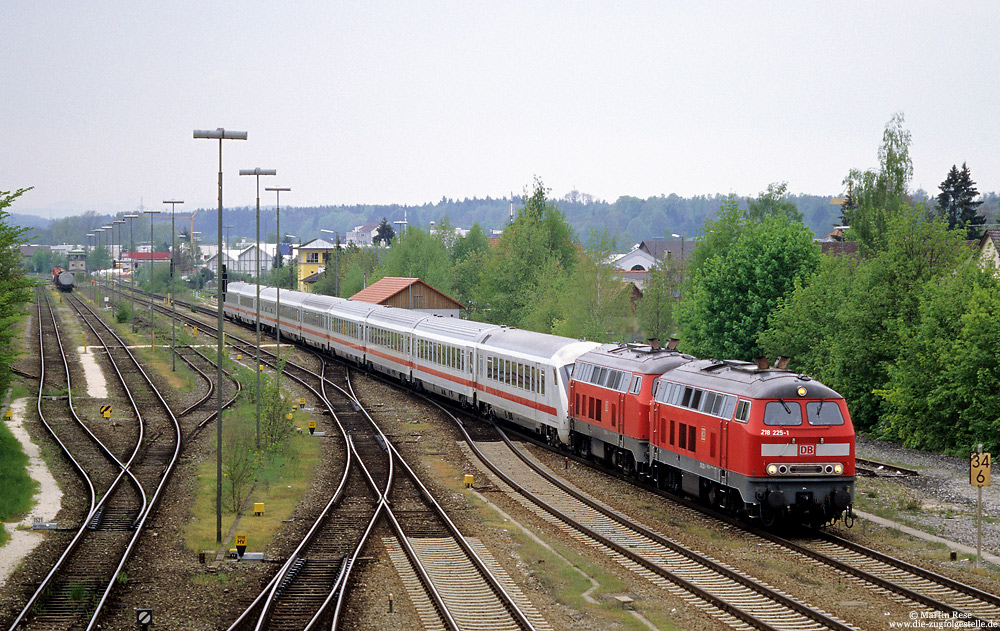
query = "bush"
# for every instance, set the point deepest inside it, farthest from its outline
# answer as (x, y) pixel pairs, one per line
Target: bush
(123, 314)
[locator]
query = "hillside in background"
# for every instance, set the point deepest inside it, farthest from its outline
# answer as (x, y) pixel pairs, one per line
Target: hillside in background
(628, 219)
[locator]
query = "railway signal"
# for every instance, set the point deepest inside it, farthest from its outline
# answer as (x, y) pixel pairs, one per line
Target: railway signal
(106, 411)
(241, 545)
(144, 618)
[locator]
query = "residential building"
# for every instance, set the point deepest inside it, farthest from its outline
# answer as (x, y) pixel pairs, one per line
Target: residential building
(989, 247)
(363, 235)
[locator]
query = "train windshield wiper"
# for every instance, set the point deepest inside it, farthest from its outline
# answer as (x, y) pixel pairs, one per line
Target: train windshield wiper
(784, 405)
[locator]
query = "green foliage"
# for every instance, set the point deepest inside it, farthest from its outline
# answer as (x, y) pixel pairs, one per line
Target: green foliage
(538, 240)
(845, 324)
(656, 308)
(957, 204)
(124, 313)
(594, 305)
(15, 288)
(875, 197)
(353, 281)
(744, 270)
(418, 254)
(385, 233)
(42, 261)
(18, 487)
(274, 427)
(240, 462)
(774, 202)
(475, 241)
(942, 388)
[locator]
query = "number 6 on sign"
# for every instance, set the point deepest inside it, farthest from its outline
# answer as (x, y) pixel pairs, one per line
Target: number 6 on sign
(979, 469)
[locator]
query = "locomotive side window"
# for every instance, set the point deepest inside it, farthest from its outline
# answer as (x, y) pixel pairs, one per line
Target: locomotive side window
(636, 384)
(743, 411)
(671, 432)
(682, 443)
(782, 413)
(691, 442)
(686, 400)
(823, 413)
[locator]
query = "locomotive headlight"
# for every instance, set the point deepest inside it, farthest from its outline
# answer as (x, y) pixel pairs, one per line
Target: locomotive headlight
(838, 469)
(772, 469)
(801, 391)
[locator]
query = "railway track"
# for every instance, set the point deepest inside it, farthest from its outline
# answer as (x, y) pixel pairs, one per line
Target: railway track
(734, 598)
(124, 474)
(311, 586)
(874, 468)
(886, 574)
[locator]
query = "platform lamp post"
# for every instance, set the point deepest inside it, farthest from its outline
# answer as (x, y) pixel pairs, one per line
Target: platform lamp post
(220, 134)
(97, 241)
(131, 262)
(151, 249)
(173, 290)
(90, 243)
(257, 172)
(277, 309)
(119, 223)
(109, 241)
(336, 255)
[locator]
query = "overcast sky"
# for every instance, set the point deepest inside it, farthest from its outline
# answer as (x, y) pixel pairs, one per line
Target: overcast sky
(406, 102)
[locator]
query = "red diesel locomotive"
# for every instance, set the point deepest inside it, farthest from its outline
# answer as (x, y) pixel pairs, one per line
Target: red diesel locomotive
(746, 437)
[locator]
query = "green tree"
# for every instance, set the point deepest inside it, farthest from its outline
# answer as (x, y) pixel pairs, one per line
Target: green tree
(720, 234)
(844, 326)
(384, 233)
(728, 300)
(594, 304)
(15, 288)
(655, 310)
(774, 202)
(878, 196)
(942, 388)
(418, 254)
(539, 238)
(474, 241)
(43, 261)
(354, 280)
(957, 202)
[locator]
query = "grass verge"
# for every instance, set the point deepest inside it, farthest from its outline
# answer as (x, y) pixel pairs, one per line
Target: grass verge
(284, 477)
(16, 486)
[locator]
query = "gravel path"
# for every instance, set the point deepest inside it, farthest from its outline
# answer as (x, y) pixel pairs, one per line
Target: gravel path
(939, 501)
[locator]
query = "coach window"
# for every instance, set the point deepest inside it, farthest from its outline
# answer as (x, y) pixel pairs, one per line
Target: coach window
(782, 413)
(824, 413)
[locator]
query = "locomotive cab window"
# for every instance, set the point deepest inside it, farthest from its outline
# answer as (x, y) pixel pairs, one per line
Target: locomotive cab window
(782, 413)
(824, 413)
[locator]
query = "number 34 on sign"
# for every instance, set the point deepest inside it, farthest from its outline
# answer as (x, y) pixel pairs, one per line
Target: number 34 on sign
(979, 468)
